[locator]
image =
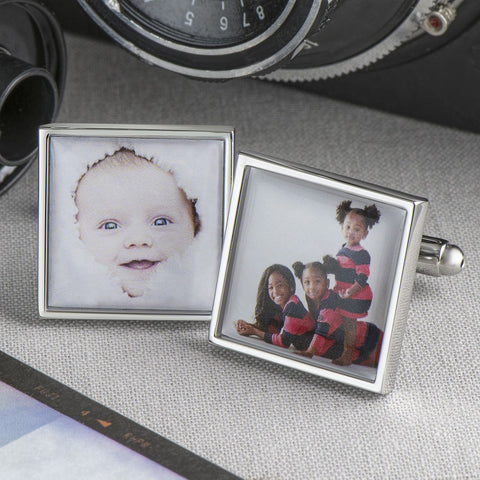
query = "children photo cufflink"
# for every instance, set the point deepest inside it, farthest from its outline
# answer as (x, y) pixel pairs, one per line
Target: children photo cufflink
(131, 220)
(317, 271)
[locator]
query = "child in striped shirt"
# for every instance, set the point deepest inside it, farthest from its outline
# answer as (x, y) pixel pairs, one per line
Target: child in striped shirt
(329, 338)
(351, 276)
(276, 294)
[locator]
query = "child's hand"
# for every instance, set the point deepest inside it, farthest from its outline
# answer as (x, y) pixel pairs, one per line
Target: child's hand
(344, 294)
(304, 353)
(244, 328)
(350, 292)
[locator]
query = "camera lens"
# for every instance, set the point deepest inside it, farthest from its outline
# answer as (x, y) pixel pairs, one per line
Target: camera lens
(208, 39)
(296, 40)
(32, 79)
(28, 98)
(205, 23)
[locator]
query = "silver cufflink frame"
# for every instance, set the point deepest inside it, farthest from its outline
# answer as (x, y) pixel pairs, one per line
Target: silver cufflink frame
(259, 234)
(278, 213)
(71, 280)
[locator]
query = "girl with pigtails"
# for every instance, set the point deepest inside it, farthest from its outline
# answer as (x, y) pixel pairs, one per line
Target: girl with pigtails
(329, 337)
(282, 320)
(351, 275)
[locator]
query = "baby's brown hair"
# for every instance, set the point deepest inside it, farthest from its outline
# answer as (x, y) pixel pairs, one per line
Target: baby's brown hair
(126, 156)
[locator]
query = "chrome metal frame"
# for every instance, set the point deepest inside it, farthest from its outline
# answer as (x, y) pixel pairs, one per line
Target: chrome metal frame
(398, 302)
(46, 132)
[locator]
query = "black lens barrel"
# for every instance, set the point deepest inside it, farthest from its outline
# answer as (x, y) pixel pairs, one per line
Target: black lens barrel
(32, 77)
(28, 98)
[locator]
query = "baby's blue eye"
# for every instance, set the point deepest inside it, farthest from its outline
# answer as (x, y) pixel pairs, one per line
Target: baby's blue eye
(161, 221)
(109, 226)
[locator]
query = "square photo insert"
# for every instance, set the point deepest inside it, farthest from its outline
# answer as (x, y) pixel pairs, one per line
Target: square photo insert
(131, 220)
(317, 271)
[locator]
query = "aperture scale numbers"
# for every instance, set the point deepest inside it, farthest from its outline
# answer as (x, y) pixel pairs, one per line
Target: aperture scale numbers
(223, 23)
(212, 21)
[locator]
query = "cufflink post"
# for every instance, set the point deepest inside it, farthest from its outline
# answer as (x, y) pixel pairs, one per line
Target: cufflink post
(438, 257)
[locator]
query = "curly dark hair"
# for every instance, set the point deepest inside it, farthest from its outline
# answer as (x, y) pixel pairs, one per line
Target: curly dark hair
(371, 214)
(265, 308)
(329, 265)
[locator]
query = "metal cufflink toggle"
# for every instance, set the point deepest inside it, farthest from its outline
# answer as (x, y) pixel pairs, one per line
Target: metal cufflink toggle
(438, 257)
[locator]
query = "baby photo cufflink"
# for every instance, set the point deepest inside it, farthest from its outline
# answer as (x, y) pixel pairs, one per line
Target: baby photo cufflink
(317, 271)
(131, 220)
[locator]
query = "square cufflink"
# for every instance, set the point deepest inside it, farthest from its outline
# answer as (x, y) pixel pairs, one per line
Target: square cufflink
(299, 287)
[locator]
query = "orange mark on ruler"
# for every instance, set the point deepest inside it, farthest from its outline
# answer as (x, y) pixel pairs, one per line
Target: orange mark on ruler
(104, 423)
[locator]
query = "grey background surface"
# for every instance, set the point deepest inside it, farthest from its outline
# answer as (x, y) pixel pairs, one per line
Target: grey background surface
(256, 419)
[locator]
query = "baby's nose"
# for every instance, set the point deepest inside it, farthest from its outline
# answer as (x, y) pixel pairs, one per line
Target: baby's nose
(138, 237)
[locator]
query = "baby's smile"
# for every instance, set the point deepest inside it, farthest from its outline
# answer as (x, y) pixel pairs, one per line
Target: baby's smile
(133, 217)
(140, 264)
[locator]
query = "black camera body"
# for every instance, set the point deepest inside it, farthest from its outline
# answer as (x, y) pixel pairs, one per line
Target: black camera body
(429, 77)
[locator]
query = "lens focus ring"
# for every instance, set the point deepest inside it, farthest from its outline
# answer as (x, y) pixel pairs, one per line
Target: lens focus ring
(405, 29)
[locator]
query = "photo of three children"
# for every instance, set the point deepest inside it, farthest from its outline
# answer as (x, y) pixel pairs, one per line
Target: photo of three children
(329, 327)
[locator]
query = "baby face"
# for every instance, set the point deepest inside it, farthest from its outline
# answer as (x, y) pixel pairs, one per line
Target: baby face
(278, 289)
(314, 284)
(132, 218)
(354, 229)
